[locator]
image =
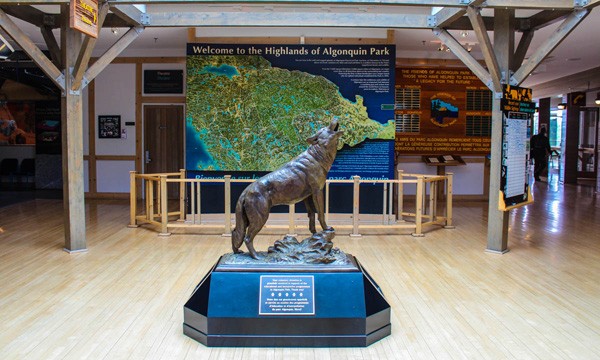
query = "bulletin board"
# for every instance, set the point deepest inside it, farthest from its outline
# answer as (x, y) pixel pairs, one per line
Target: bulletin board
(517, 115)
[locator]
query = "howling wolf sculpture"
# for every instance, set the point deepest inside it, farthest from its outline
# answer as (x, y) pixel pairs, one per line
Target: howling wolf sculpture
(300, 179)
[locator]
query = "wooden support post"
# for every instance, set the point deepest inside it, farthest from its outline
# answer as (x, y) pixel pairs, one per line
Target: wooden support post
(419, 207)
(164, 207)
(132, 200)
(150, 200)
(158, 198)
(433, 200)
(384, 212)
(227, 229)
(182, 186)
(355, 206)
(449, 180)
(400, 205)
(72, 145)
(497, 235)
(390, 203)
(198, 199)
(193, 201)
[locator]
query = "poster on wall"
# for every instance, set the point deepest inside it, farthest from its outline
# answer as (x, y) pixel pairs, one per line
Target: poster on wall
(109, 126)
(163, 81)
(17, 123)
(517, 115)
(442, 111)
(250, 108)
(47, 127)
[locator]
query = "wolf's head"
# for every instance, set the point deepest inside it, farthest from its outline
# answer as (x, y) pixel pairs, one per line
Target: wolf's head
(327, 137)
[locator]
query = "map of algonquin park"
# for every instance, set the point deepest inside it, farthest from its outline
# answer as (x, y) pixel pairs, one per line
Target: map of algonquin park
(246, 115)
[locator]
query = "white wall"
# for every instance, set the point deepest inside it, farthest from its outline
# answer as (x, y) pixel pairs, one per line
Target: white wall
(468, 179)
(115, 95)
(86, 126)
(113, 176)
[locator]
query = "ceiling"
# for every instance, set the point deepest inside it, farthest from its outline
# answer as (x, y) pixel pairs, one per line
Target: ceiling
(580, 51)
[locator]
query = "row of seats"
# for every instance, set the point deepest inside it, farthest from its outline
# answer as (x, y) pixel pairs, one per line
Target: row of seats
(13, 172)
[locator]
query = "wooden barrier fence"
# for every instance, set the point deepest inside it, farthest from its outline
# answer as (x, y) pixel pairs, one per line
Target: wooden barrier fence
(425, 211)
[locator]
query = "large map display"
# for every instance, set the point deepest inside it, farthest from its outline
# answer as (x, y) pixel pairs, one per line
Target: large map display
(250, 108)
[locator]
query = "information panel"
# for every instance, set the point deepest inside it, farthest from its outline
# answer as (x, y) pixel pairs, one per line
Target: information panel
(163, 81)
(517, 112)
(250, 108)
(442, 111)
(287, 295)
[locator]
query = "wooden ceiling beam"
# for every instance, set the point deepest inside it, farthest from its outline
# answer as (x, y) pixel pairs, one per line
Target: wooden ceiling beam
(32, 15)
(32, 50)
(486, 46)
(460, 52)
(550, 44)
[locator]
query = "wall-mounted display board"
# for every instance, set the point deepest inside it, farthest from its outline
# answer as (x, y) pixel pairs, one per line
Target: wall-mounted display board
(109, 126)
(250, 108)
(517, 115)
(48, 138)
(17, 122)
(441, 111)
(163, 81)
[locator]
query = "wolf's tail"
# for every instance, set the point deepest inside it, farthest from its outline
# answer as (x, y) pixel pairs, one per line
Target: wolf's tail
(241, 224)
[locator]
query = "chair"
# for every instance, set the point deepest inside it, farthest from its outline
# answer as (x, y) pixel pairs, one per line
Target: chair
(9, 168)
(27, 170)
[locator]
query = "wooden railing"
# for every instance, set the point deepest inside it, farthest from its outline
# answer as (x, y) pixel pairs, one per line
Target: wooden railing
(431, 191)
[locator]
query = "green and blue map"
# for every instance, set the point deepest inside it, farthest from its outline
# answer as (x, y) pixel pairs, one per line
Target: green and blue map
(250, 108)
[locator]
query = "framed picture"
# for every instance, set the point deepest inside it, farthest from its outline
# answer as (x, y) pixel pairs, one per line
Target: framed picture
(109, 126)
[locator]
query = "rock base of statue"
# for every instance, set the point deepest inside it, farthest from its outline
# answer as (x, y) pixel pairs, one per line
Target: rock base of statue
(288, 301)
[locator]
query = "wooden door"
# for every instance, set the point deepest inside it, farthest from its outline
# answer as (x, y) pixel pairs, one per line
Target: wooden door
(163, 141)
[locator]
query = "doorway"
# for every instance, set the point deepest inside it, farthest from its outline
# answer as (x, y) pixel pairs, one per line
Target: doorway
(587, 164)
(163, 141)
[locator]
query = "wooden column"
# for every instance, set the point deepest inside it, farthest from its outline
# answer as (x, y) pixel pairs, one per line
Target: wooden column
(497, 236)
(571, 156)
(72, 143)
(544, 114)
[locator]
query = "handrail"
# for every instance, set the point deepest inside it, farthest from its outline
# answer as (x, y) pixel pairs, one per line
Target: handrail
(155, 210)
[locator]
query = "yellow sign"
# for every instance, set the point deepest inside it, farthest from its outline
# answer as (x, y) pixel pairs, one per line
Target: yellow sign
(84, 16)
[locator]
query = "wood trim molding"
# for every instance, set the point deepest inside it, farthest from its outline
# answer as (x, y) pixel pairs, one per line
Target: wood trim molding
(139, 121)
(163, 99)
(149, 60)
(92, 174)
(116, 157)
(107, 195)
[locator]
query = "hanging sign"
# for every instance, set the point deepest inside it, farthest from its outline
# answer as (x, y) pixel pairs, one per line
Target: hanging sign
(517, 113)
(83, 16)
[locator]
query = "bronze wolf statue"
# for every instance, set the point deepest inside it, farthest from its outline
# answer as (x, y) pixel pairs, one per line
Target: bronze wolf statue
(300, 179)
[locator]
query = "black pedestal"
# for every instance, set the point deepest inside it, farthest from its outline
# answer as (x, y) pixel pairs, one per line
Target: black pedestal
(284, 305)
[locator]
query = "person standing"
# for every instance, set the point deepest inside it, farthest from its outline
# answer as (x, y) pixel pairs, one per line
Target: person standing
(540, 149)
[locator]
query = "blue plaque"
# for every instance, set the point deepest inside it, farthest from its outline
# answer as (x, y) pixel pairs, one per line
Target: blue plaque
(287, 295)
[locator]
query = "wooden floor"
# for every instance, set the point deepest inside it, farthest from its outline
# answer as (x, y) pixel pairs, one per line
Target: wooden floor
(450, 299)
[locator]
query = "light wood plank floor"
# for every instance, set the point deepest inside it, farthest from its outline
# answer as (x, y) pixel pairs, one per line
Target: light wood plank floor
(123, 299)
